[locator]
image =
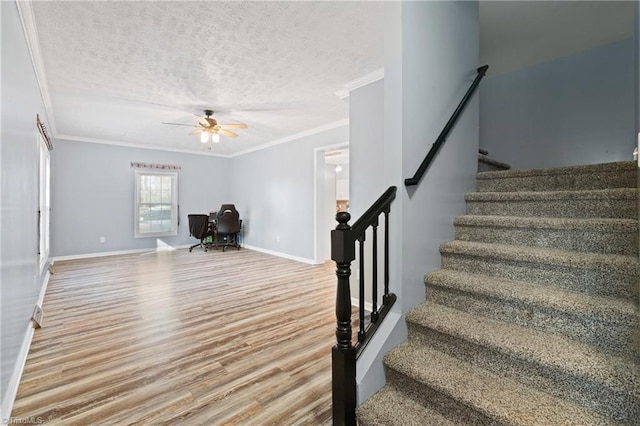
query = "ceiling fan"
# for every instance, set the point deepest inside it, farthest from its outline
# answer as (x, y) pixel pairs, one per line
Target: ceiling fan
(209, 129)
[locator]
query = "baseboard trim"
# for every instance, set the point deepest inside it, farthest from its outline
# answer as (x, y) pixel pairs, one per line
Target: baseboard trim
(280, 254)
(45, 284)
(169, 248)
(117, 253)
(14, 382)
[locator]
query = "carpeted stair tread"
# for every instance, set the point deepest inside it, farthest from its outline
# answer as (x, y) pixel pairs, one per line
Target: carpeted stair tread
(503, 399)
(600, 203)
(594, 176)
(606, 322)
(597, 235)
(607, 308)
(533, 318)
(612, 167)
(593, 194)
(553, 352)
(596, 224)
(612, 263)
(391, 407)
(607, 203)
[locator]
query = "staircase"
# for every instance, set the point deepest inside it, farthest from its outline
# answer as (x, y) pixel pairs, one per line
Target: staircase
(533, 318)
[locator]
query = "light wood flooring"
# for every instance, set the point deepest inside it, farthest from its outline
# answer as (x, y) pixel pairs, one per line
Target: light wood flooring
(212, 338)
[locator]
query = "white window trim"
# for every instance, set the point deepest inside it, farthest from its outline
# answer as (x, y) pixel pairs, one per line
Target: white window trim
(174, 204)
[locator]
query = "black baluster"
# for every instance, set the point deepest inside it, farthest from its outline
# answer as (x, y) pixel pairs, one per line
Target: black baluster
(361, 333)
(385, 297)
(374, 279)
(343, 354)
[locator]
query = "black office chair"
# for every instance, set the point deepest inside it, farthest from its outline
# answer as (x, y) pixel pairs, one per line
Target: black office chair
(200, 229)
(228, 225)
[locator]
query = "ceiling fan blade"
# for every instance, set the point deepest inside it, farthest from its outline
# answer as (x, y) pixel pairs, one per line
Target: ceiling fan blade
(234, 126)
(227, 133)
(179, 124)
(202, 120)
(211, 122)
(197, 132)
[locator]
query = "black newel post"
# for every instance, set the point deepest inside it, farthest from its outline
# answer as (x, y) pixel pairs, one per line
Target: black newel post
(343, 354)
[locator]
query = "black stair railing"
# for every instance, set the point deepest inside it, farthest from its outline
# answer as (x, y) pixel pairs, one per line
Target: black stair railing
(482, 71)
(343, 251)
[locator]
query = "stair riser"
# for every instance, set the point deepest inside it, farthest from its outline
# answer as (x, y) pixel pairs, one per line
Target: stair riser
(390, 407)
(437, 401)
(583, 240)
(583, 391)
(584, 280)
(560, 182)
(610, 336)
(590, 208)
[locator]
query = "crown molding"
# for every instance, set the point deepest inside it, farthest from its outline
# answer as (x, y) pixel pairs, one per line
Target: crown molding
(360, 82)
(27, 17)
(310, 132)
(290, 138)
(135, 145)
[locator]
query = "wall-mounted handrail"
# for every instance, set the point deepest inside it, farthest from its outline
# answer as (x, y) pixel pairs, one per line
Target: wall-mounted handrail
(343, 250)
(447, 128)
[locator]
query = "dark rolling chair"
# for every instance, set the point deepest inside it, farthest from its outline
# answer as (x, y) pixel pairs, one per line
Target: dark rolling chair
(199, 228)
(228, 225)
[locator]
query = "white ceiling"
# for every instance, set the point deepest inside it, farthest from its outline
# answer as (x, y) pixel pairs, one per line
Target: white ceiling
(114, 71)
(117, 70)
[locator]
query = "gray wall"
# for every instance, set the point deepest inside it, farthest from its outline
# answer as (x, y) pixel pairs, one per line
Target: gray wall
(431, 60)
(440, 54)
(274, 192)
(366, 145)
(366, 161)
(20, 279)
(93, 195)
(575, 110)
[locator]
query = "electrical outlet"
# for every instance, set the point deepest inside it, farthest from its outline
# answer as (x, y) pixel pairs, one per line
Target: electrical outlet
(103, 239)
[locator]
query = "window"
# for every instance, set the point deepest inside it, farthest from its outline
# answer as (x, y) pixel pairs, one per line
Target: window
(44, 204)
(156, 206)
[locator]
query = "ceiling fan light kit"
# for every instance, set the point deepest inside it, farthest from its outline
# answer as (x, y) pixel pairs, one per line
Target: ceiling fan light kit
(209, 129)
(209, 136)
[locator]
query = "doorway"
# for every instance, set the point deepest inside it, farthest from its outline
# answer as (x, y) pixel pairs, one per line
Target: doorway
(331, 194)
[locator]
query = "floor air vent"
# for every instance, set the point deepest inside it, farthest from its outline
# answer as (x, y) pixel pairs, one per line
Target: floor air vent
(37, 317)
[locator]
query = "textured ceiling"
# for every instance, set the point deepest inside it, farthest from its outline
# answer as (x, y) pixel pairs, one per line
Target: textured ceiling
(116, 70)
